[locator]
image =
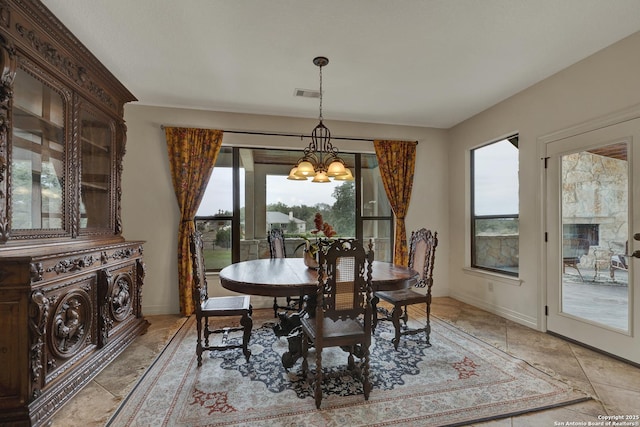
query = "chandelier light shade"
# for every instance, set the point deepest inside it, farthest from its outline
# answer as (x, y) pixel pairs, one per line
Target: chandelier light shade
(320, 159)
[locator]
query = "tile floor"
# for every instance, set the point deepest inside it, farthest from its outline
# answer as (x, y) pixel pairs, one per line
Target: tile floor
(614, 385)
(95, 403)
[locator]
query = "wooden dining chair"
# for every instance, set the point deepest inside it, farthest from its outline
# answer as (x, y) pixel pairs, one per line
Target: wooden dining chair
(206, 307)
(422, 252)
(277, 250)
(342, 312)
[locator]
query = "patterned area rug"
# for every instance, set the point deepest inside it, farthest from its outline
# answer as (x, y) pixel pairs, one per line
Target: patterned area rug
(458, 381)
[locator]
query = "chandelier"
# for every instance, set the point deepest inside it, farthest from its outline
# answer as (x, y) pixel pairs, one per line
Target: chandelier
(320, 159)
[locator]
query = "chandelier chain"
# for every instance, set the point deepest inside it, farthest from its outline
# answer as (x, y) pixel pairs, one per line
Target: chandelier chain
(320, 92)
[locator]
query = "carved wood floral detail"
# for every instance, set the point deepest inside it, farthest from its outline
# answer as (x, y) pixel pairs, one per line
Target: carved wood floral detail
(65, 64)
(123, 253)
(7, 74)
(74, 264)
(141, 271)
(5, 14)
(105, 324)
(38, 316)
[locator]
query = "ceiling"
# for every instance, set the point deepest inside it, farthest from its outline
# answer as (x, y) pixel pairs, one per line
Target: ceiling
(410, 62)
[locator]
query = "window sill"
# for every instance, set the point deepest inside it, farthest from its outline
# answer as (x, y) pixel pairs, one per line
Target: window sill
(502, 278)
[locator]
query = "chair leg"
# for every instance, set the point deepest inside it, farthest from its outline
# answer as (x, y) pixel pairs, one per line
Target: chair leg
(275, 307)
(199, 342)
(395, 319)
(351, 363)
(374, 310)
(427, 327)
(405, 317)
(206, 331)
(247, 324)
(366, 384)
(303, 353)
(318, 381)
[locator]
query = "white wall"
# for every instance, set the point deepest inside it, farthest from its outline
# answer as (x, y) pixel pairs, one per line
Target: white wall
(150, 212)
(604, 83)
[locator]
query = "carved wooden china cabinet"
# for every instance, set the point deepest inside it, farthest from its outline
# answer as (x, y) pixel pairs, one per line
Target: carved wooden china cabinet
(70, 284)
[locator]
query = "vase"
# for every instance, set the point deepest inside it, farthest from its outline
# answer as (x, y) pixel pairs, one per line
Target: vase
(310, 260)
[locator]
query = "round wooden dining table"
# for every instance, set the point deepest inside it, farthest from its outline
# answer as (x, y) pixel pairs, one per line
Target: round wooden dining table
(282, 277)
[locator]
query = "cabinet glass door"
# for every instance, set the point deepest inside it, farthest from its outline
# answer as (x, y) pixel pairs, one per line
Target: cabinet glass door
(96, 151)
(37, 156)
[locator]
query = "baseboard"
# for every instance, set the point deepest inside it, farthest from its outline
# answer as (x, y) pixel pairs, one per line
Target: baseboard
(509, 314)
(152, 310)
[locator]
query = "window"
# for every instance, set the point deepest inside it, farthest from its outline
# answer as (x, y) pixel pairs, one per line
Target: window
(375, 210)
(249, 194)
(494, 207)
(590, 232)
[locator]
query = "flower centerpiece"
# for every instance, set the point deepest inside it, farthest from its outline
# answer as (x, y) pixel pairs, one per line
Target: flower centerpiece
(323, 232)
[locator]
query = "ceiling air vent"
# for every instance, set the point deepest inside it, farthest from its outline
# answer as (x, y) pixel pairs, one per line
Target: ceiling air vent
(306, 93)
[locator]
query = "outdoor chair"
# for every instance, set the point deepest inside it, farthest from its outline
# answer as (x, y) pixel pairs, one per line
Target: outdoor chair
(342, 313)
(422, 252)
(573, 249)
(206, 307)
(619, 261)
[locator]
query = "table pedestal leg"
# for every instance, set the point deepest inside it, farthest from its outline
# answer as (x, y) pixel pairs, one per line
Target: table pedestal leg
(290, 326)
(289, 358)
(288, 322)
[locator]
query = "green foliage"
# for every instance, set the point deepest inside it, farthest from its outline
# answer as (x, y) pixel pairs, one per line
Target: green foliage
(341, 215)
(223, 238)
(343, 212)
(216, 259)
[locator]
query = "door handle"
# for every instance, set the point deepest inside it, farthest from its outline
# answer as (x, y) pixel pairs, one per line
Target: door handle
(636, 254)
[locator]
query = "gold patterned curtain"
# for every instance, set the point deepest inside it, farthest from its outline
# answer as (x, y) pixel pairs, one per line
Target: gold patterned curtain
(192, 155)
(397, 160)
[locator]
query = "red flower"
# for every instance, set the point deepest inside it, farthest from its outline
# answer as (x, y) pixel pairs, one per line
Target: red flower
(322, 226)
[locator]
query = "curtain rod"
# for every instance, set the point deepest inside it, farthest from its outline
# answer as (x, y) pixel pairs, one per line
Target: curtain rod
(296, 135)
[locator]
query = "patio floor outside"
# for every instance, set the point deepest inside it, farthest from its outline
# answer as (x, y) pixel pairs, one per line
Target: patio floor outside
(598, 297)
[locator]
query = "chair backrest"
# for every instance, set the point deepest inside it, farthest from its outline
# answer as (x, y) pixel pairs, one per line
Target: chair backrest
(422, 255)
(344, 281)
(199, 290)
(276, 243)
